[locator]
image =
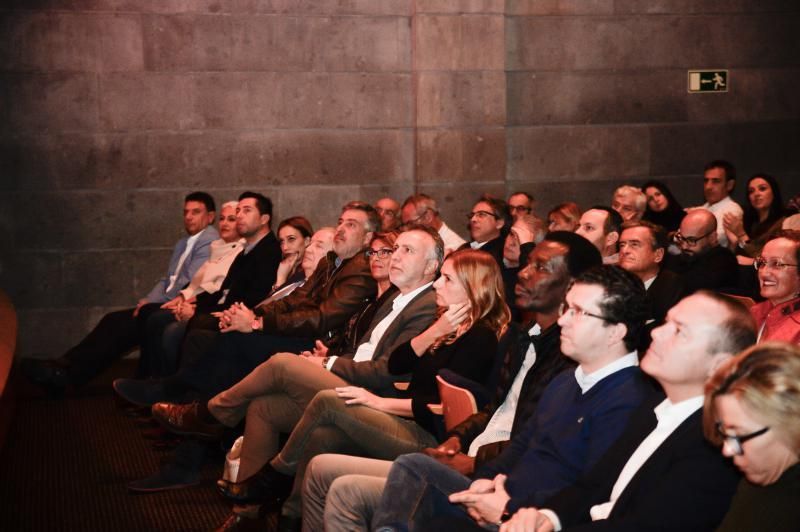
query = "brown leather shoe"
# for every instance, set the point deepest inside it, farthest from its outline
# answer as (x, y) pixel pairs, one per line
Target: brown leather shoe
(240, 523)
(186, 420)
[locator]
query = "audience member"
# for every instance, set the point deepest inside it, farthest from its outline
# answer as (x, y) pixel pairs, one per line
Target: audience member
(752, 409)
(488, 223)
(702, 263)
(525, 233)
(520, 203)
(763, 216)
(660, 474)
(600, 226)
(294, 236)
(778, 318)
(117, 332)
(642, 247)
(530, 363)
(630, 202)
(580, 414)
(351, 419)
(564, 217)
(719, 178)
(389, 212)
(662, 207)
(422, 209)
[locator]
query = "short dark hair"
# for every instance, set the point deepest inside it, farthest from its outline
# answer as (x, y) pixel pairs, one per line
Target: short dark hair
(521, 193)
(201, 197)
(658, 236)
(730, 170)
(613, 220)
(300, 223)
(373, 220)
(263, 203)
(581, 254)
(438, 243)
(623, 301)
(499, 209)
(737, 331)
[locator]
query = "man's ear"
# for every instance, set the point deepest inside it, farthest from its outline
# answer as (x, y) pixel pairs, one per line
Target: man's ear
(265, 218)
(619, 332)
(367, 238)
(729, 184)
(612, 238)
(210, 215)
(659, 255)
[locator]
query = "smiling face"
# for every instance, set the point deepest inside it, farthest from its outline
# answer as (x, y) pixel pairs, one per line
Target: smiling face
(765, 457)
(543, 282)
(196, 217)
(227, 224)
(760, 194)
(449, 290)
(779, 284)
(351, 233)
(678, 357)
(484, 225)
(656, 200)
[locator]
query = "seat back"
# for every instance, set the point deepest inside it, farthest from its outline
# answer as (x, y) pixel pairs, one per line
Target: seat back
(744, 300)
(457, 403)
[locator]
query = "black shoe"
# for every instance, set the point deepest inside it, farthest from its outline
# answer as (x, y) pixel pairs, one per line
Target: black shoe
(289, 523)
(268, 487)
(171, 477)
(51, 375)
(140, 393)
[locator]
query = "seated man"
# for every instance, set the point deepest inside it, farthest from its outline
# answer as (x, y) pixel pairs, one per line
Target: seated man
(532, 359)
(600, 226)
(320, 307)
(117, 332)
(488, 223)
(389, 212)
(661, 474)
(520, 203)
(422, 209)
(703, 262)
(630, 202)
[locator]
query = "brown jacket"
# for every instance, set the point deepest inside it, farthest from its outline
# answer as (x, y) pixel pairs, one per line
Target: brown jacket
(324, 304)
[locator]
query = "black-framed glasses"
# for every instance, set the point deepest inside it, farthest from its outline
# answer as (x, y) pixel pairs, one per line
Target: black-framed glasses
(571, 312)
(772, 264)
(381, 211)
(735, 441)
(690, 240)
(381, 253)
(480, 214)
(519, 208)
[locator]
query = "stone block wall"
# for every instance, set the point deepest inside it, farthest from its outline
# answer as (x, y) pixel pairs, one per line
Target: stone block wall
(113, 109)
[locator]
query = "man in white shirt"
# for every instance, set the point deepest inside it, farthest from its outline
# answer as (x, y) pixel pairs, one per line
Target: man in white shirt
(719, 178)
(661, 474)
(422, 209)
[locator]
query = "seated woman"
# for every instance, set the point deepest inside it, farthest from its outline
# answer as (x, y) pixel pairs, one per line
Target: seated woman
(763, 215)
(564, 217)
(752, 408)
(778, 318)
(662, 207)
(473, 314)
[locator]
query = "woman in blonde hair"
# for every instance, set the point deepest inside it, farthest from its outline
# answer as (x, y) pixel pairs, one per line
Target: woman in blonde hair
(473, 314)
(752, 409)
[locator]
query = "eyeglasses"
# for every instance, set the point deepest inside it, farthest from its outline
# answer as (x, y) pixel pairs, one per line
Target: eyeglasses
(772, 264)
(379, 253)
(690, 240)
(414, 221)
(734, 441)
(480, 214)
(388, 212)
(519, 208)
(572, 312)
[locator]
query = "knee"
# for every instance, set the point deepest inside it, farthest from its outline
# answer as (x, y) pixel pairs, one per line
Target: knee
(325, 400)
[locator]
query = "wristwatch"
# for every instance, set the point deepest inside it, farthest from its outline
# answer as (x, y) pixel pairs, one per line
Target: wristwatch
(325, 361)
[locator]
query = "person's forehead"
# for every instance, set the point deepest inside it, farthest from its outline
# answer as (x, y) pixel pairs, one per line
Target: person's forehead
(779, 247)
(585, 295)
(354, 215)
(387, 203)
(696, 311)
(228, 209)
(483, 206)
(417, 240)
(194, 206)
(714, 173)
(518, 199)
(547, 250)
(638, 234)
(594, 216)
(247, 202)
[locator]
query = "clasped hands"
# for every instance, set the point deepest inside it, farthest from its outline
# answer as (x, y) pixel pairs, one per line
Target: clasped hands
(485, 501)
(236, 318)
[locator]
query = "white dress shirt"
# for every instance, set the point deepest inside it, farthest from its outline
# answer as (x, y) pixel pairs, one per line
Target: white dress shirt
(719, 209)
(189, 246)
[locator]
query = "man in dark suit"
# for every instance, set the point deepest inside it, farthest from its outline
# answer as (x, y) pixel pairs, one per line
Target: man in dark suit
(661, 474)
(489, 222)
(642, 247)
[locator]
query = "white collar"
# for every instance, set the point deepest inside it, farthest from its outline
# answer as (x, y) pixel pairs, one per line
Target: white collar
(403, 299)
(674, 414)
(587, 381)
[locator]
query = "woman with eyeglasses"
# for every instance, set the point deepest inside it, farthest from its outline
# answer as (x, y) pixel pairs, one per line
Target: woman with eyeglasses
(752, 409)
(778, 318)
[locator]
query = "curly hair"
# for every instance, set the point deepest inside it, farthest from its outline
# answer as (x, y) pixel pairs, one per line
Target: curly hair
(623, 299)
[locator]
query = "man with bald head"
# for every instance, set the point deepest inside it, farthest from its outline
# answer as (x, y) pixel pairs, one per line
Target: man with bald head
(703, 263)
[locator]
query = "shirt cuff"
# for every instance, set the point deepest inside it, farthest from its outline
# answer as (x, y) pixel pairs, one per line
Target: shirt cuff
(331, 360)
(551, 515)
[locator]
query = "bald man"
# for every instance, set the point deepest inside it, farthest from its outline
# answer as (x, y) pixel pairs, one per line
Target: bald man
(703, 263)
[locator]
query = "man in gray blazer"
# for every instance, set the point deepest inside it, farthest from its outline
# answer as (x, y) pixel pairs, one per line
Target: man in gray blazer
(286, 383)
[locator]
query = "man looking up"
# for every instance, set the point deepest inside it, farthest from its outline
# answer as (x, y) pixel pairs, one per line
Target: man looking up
(661, 474)
(486, 223)
(422, 209)
(389, 212)
(581, 413)
(703, 263)
(600, 226)
(719, 178)
(117, 332)
(318, 309)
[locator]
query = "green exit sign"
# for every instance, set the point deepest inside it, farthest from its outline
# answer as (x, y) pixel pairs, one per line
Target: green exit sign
(708, 81)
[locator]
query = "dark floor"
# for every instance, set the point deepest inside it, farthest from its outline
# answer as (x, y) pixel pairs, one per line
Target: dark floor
(66, 462)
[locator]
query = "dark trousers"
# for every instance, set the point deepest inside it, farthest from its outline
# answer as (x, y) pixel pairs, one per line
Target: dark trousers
(160, 342)
(115, 335)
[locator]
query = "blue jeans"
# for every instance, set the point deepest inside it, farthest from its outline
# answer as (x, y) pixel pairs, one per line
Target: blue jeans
(416, 492)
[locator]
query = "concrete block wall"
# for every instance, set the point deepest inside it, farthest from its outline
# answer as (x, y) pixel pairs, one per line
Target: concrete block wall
(112, 110)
